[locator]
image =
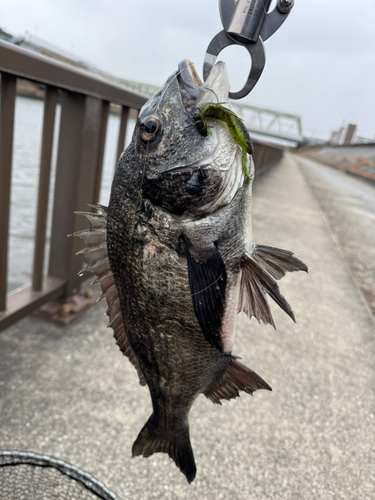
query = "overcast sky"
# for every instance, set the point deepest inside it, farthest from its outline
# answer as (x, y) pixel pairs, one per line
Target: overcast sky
(320, 64)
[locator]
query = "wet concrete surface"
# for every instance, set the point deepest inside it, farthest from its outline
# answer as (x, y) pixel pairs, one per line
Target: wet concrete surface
(68, 392)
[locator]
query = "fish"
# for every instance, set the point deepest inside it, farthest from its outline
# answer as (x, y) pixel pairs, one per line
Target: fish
(174, 255)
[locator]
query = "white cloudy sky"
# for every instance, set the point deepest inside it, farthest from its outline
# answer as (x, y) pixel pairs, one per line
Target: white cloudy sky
(320, 64)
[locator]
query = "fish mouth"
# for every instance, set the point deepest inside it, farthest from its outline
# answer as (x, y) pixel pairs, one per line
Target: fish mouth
(188, 75)
(194, 91)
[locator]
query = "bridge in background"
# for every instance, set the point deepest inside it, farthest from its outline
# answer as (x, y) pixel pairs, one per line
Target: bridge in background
(270, 123)
(267, 123)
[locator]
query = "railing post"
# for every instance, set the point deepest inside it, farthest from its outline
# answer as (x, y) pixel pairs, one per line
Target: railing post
(255, 153)
(77, 162)
(101, 145)
(8, 94)
(44, 182)
(122, 132)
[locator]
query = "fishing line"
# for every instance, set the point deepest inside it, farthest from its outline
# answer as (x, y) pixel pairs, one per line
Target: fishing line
(139, 191)
(157, 109)
(209, 286)
(142, 177)
(246, 56)
(217, 99)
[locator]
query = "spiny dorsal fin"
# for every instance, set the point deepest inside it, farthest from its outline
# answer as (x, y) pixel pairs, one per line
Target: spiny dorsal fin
(277, 261)
(97, 220)
(237, 377)
(255, 283)
(96, 256)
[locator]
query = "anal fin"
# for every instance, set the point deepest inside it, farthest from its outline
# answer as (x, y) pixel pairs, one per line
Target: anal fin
(237, 377)
(256, 282)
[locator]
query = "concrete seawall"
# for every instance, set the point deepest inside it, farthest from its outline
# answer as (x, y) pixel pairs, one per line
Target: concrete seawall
(358, 159)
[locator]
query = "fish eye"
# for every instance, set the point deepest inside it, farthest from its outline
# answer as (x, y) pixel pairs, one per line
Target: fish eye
(150, 128)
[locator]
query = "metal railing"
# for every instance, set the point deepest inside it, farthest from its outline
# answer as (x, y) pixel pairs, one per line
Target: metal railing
(85, 100)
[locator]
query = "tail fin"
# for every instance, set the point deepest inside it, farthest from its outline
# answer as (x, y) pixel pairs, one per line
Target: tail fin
(237, 377)
(152, 440)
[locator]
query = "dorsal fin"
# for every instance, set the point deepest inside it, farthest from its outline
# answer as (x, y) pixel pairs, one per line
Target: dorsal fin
(96, 256)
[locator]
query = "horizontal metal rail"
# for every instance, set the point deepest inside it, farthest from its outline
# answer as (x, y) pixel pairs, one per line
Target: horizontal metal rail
(26, 64)
(25, 300)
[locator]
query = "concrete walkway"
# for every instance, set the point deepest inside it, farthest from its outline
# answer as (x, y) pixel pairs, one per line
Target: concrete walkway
(69, 393)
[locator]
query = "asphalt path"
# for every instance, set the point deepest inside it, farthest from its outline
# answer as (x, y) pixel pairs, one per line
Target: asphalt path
(68, 392)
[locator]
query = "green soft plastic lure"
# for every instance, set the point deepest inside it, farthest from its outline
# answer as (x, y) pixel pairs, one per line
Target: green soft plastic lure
(235, 125)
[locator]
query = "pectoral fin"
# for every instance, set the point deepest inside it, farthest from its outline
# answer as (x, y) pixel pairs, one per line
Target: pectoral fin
(256, 282)
(277, 261)
(207, 278)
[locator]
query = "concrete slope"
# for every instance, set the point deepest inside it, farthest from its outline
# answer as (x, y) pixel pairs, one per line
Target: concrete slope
(70, 393)
(347, 202)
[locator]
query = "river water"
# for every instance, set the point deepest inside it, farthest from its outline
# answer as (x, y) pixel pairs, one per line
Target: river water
(25, 178)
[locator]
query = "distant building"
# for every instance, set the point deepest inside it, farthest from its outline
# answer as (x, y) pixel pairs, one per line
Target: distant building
(347, 135)
(350, 133)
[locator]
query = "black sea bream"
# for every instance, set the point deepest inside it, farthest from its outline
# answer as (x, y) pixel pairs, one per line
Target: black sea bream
(181, 262)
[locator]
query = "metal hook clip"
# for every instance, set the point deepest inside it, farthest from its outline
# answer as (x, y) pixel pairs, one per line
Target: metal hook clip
(246, 23)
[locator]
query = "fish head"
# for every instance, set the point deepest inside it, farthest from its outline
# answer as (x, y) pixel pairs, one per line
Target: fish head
(178, 169)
